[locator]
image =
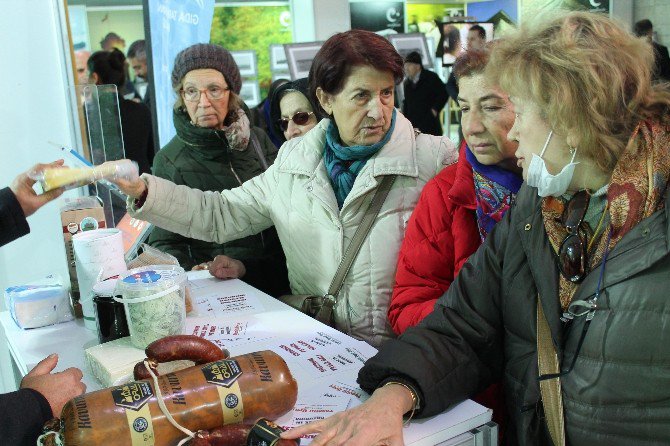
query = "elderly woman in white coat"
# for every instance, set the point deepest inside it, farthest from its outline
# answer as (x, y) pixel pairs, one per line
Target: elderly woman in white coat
(320, 186)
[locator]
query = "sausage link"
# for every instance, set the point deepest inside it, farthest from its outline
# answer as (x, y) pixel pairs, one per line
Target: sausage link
(178, 347)
(190, 347)
(231, 435)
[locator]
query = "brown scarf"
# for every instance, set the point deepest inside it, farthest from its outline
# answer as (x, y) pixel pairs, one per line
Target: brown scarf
(637, 190)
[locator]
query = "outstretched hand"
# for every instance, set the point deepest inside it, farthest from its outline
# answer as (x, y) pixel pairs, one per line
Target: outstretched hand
(22, 186)
(378, 421)
(58, 388)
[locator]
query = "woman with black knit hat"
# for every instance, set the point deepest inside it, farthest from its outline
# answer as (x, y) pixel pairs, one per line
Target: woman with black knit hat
(216, 148)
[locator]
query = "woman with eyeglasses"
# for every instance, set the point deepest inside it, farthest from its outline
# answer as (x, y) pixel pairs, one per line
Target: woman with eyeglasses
(217, 149)
(293, 114)
(567, 299)
(321, 186)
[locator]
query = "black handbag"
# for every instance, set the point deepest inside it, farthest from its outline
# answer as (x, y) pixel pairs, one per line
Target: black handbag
(322, 308)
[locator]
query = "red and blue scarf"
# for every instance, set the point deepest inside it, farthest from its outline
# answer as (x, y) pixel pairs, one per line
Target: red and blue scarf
(495, 189)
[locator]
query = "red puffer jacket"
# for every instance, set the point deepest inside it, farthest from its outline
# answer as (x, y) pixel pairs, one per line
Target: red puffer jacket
(441, 235)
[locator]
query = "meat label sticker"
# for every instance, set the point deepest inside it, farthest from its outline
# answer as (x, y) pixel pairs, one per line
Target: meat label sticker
(133, 395)
(222, 373)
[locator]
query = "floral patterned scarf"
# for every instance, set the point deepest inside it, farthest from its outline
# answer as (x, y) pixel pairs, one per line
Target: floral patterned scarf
(637, 189)
(495, 190)
(237, 133)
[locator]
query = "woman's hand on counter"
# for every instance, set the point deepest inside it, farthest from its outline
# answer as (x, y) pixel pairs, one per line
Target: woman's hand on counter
(378, 421)
(223, 267)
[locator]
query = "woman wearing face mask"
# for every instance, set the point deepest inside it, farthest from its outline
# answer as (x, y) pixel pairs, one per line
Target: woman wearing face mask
(293, 114)
(567, 299)
(321, 186)
(216, 148)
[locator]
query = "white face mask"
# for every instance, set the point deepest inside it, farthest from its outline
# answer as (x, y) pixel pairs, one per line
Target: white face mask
(547, 184)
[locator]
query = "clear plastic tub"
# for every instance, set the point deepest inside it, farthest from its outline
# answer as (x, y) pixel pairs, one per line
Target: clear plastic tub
(153, 298)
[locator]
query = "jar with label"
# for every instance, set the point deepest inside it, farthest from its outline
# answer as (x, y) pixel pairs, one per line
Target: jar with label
(153, 298)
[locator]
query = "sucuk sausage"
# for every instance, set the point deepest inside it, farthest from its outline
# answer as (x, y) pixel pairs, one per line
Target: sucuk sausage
(238, 435)
(178, 347)
(258, 385)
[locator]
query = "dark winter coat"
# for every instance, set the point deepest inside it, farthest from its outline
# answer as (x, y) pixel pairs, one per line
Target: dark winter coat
(428, 94)
(202, 159)
(484, 329)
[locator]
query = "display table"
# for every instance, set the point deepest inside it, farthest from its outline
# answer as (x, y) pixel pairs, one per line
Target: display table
(242, 319)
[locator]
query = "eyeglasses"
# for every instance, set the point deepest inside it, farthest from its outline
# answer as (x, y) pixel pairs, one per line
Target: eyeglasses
(213, 93)
(300, 118)
(572, 255)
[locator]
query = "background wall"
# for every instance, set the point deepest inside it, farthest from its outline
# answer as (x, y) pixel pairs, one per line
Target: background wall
(330, 17)
(658, 11)
(129, 24)
(485, 10)
(34, 112)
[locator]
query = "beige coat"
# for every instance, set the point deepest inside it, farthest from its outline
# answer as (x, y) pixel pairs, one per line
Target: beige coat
(295, 194)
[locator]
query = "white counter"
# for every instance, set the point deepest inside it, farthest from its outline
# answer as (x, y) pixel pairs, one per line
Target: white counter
(267, 324)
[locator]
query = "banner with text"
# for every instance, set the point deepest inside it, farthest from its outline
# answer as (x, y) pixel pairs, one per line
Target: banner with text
(174, 25)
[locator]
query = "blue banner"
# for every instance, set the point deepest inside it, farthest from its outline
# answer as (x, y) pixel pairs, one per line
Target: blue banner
(175, 25)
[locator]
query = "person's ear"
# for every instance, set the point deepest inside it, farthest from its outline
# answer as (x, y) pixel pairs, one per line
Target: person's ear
(95, 78)
(325, 100)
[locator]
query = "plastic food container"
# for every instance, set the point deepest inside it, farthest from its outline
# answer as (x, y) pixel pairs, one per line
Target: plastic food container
(153, 299)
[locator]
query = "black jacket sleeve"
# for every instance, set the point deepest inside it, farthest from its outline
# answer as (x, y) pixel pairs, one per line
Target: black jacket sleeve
(13, 223)
(441, 96)
(456, 350)
(23, 413)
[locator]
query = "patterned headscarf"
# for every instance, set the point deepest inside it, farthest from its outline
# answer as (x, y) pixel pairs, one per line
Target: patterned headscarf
(495, 189)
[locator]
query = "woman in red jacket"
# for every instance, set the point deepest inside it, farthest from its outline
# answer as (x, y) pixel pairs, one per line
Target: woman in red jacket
(461, 204)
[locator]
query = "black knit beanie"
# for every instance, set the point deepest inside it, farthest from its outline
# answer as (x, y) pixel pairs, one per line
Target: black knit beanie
(206, 55)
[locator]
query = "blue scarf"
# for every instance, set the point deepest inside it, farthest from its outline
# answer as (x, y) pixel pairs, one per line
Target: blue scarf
(495, 189)
(336, 155)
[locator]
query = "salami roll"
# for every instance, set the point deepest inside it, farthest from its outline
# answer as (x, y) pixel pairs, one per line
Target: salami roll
(234, 390)
(178, 347)
(264, 432)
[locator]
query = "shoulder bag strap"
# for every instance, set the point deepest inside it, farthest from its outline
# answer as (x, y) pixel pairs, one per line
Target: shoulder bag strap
(360, 234)
(550, 389)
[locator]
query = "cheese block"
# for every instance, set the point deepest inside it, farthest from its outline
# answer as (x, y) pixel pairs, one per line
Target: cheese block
(112, 363)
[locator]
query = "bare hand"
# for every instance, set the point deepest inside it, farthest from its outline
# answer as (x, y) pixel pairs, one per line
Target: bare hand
(57, 388)
(378, 421)
(134, 188)
(22, 186)
(224, 267)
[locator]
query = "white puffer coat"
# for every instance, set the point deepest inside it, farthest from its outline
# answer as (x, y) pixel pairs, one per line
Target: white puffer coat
(295, 194)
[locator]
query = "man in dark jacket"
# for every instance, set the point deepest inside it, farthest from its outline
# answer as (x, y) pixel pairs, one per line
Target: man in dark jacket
(645, 29)
(42, 393)
(425, 96)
